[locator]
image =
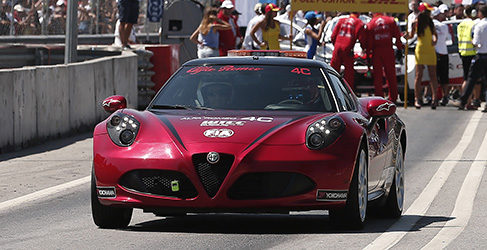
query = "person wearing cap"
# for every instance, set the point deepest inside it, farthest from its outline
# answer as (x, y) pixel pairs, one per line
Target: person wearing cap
(270, 30)
(466, 48)
(479, 63)
(312, 35)
(344, 36)
(425, 53)
(248, 42)
(442, 62)
(228, 38)
(380, 31)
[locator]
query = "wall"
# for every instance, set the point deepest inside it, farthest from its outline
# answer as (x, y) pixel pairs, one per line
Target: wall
(37, 103)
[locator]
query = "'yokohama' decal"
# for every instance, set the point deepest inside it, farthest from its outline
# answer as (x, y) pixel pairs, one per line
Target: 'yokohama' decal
(331, 195)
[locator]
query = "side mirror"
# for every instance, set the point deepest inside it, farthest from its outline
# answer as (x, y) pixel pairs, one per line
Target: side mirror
(114, 103)
(380, 107)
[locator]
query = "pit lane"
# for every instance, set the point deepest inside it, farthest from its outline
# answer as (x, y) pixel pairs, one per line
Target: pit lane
(62, 219)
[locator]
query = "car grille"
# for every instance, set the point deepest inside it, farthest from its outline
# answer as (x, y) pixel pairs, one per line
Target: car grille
(212, 175)
(270, 185)
(159, 182)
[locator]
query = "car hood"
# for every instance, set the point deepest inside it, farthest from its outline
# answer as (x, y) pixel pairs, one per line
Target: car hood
(242, 127)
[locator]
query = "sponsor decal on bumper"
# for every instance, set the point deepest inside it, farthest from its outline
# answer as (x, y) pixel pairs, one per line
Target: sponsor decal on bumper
(106, 192)
(331, 195)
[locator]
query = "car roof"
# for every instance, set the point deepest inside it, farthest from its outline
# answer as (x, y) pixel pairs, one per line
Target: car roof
(257, 60)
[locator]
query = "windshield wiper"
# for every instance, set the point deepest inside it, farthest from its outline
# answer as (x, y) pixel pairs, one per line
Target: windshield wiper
(178, 107)
(203, 108)
(169, 107)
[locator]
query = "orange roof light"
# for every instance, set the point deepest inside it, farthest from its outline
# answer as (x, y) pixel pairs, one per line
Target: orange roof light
(279, 53)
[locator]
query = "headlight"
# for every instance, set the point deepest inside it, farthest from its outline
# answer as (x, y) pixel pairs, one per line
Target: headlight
(324, 132)
(123, 129)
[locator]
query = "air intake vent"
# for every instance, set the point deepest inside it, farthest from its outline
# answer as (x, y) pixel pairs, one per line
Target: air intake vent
(212, 175)
(159, 182)
(255, 186)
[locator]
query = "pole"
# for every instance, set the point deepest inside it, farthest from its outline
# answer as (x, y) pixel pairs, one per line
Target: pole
(406, 48)
(12, 20)
(97, 20)
(291, 31)
(71, 44)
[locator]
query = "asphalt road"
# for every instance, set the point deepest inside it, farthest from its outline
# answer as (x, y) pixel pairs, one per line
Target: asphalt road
(44, 201)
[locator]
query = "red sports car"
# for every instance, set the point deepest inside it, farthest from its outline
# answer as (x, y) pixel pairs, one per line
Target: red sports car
(249, 134)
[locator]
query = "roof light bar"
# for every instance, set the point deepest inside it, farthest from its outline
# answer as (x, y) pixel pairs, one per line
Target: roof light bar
(278, 53)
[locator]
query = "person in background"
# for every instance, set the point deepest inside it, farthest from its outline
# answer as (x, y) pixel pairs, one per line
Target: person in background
(206, 36)
(442, 62)
(466, 47)
(425, 53)
(117, 41)
(270, 30)
(344, 36)
(298, 16)
(479, 63)
(228, 37)
(312, 34)
(380, 31)
(413, 6)
(84, 17)
(248, 42)
(5, 17)
(128, 12)
(458, 12)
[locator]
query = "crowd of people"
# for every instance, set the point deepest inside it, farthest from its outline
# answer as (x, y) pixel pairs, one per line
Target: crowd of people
(375, 33)
(31, 17)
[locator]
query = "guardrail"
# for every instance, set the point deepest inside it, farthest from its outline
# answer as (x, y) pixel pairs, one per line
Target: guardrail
(101, 39)
(44, 102)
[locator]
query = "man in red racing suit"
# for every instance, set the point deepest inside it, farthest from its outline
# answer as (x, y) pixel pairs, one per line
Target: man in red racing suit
(344, 36)
(380, 31)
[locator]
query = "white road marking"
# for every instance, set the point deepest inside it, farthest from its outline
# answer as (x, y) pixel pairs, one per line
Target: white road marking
(464, 204)
(419, 207)
(6, 205)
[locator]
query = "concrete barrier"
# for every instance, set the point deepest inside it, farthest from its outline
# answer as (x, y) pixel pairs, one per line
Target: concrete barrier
(52, 94)
(81, 95)
(25, 106)
(50, 101)
(123, 72)
(104, 85)
(7, 109)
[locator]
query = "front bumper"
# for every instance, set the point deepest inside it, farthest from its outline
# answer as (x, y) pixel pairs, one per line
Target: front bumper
(325, 171)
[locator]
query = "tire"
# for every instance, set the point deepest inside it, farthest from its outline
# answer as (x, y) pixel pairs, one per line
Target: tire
(395, 200)
(354, 214)
(106, 216)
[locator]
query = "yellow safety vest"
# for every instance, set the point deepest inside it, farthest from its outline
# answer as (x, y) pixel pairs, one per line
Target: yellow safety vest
(464, 32)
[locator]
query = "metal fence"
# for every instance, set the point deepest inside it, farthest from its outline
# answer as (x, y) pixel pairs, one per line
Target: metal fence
(48, 17)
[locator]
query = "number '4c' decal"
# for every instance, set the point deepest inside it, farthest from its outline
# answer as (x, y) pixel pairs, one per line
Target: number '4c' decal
(303, 71)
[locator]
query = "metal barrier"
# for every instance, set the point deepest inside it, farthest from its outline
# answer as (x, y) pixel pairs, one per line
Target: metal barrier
(102, 39)
(47, 17)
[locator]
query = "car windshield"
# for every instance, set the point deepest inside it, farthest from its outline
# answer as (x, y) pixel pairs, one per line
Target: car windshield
(246, 87)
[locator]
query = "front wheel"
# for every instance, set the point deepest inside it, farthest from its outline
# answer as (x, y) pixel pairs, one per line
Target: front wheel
(106, 216)
(355, 212)
(395, 200)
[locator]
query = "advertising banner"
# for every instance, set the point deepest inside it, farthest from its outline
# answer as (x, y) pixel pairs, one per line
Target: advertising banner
(155, 9)
(388, 6)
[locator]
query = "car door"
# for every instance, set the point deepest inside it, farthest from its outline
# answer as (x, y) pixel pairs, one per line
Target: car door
(377, 138)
